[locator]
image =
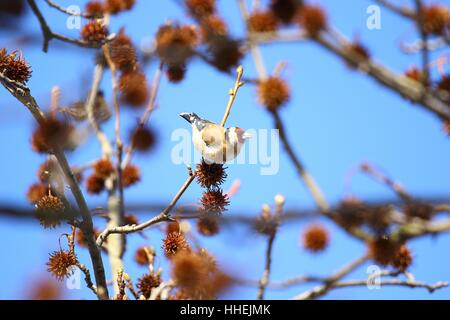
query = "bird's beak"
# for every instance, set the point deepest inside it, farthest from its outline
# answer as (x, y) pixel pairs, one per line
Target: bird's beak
(186, 116)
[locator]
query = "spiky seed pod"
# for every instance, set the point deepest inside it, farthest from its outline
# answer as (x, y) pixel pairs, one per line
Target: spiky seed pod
(208, 226)
(14, 67)
(103, 168)
(214, 201)
(130, 175)
(210, 175)
(436, 19)
(117, 6)
(140, 256)
(60, 264)
(419, 210)
(285, 10)
(273, 93)
(209, 260)
(175, 73)
(226, 52)
(36, 192)
(189, 272)
(350, 213)
(175, 44)
(313, 19)
(94, 8)
(95, 184)
(383, 250)
(262, 21)
(52, 132)
(143, 138)
(133, 88)
(266, 223)
(403, 259)
(147, 282)
(201, 8)
(444, 83)
(174, 243)
(315, 238)
(50, 211)
(123, 53)
(94, 32)
(212, 26)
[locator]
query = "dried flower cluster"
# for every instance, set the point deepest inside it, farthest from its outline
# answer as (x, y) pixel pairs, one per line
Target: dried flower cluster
(175, 44)
(143, 138)
(122, 53)
(50, 211)
(52, 132)
(214, 201)
(94, 32)
(313, 19)
(174, 243)
(403, 259)
(60, 264)
(147, 283)
(133, 88)
(141, 257)
(130, 175)
(436, 19)
(315, 238)
(98, 8)
(273, 93)
(201, 8)
(262, 21)
(14, 67)
(285, 10)
(208, 226)
(383, 250)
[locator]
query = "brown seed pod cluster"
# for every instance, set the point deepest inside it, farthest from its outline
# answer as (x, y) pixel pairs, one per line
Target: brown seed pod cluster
(80, 238)
(273, 93)
(176, 73)
(48, 169)
(210, 175)
(266, 223)
(262, 21)
(383, 250)
(403, 259)
(103, 168)
(436, 19)
(36, 192)
(94, 32)
(350, 213)
(143, 138)
(201, 8)
(123, 53)
(94, 8)
(14, 67)
(208, 226)
(175, 44)
(312, 18)
(130, 175)
(418, 210)
(214, 201)
(147, 283)
(285, 10)
(133, 88)
(194, 276)
(226, 52)
(95, 184)
(130, 219)
(315, 238)
(52, 132)
(60, 264)
(213, 26)
(174, 243)
(117, 6)
(50, 211)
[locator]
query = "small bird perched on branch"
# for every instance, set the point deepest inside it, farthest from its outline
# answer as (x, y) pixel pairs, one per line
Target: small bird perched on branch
(216, 143)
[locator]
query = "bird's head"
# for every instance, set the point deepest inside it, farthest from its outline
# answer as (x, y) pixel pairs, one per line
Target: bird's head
(238, 135)
(189, 116)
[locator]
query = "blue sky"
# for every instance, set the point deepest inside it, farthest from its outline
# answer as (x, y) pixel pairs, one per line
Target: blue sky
(337, 118)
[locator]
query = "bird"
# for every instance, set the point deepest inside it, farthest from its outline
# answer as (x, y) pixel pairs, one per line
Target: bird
(216, 143)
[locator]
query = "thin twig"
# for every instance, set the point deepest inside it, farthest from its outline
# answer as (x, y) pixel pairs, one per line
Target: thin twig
(50, 35)
(69, 12)
(233, 92)
(22, 93)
